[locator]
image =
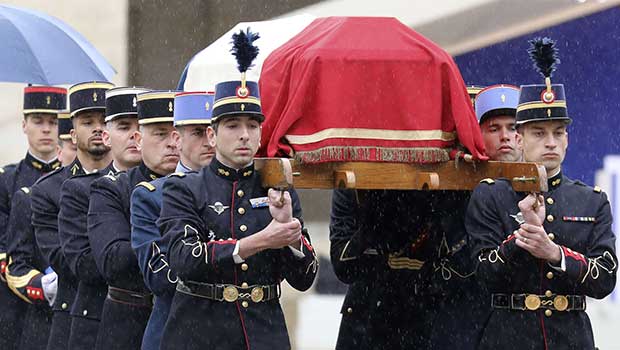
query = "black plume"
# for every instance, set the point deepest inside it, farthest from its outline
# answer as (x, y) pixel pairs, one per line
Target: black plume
(544, 54)
(243, 49)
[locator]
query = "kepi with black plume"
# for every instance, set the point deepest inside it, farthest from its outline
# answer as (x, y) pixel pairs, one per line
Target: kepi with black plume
(239, 97)
(539, 102)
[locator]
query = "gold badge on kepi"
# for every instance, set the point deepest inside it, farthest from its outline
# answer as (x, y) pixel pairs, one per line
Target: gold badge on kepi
(218, 207)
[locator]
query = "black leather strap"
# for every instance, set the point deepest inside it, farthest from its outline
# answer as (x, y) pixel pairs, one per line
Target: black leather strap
(124, 296)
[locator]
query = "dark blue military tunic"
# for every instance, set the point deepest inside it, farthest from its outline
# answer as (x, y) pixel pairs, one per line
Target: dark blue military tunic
(45, 207)
(463, 308)
(23, 174)
(72, 230)
(205, 214)
(397, 250)
(379, 246)
(537, 306)
(152, 251)
(128, 304)
(25, 271)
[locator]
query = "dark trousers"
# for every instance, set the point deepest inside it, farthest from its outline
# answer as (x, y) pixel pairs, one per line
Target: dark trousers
(83, 333)
(61, 328)
(12, 316)
(36, 329)
(122, 326)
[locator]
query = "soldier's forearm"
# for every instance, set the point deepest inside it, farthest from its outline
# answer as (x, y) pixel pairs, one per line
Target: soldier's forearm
(251, 245)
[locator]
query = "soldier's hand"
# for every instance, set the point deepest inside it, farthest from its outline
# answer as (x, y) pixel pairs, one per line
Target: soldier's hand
(533, 210)
(280, 205)
(279, 235)
(535, 240)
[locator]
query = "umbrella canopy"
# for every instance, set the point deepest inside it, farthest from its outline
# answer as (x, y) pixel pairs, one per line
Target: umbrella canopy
(365, 89)
(40, 49)
(215, 63)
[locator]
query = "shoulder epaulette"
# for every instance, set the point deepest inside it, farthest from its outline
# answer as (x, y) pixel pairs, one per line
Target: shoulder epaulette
(597, 189)
(178, 174)
(146, 185)
(26, 190)
(7, 168)
(488, 180)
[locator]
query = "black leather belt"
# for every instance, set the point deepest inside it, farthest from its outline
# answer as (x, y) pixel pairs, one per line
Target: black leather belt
(534, 302)
(130, 297)
(230, 292)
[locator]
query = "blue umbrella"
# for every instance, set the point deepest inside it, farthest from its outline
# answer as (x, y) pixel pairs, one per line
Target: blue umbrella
(40, 49)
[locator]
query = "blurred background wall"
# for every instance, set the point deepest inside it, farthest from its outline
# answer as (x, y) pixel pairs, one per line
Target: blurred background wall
(149, 42)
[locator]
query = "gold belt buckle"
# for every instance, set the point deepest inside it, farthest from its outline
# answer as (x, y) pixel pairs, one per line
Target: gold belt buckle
(560, 303)
(532, 302)
(230, 294)
(257, 294)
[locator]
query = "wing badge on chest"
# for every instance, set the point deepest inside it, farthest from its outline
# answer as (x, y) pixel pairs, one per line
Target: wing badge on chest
(518, 218)
(218, 207)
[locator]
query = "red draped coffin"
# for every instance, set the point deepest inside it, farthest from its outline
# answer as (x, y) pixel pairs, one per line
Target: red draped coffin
(364, 89)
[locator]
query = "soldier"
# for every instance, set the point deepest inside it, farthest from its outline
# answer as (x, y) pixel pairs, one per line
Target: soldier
(384, 245)
(230, 244)
(192, 115)
(41, 106)
(496, 107)
(541, 255)
(29, 275)
(128, 304)
(45, 200)
(87, 102)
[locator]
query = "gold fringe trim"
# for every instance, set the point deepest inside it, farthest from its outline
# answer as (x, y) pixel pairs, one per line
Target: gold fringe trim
(381, 154)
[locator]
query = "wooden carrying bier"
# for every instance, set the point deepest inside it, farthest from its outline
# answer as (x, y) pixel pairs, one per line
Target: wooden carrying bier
(281, 173)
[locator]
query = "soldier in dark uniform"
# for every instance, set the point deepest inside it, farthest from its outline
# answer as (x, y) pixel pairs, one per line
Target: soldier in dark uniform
(192, 115)
(541, 255)
(29, 275)
(230, 244)
(41, 106)
(45, 196)
(87, 102)
(385, 244)
(495, 107)
(128, 304)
